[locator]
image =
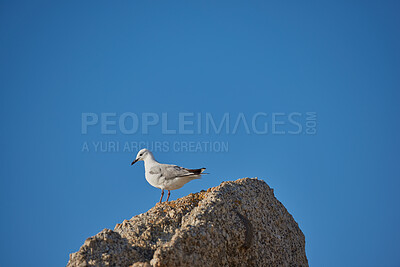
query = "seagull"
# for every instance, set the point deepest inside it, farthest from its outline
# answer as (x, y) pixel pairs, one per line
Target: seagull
(165, 176)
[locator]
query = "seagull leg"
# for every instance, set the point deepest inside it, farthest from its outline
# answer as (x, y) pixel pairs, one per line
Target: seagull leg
(162, 194)
(169, 193)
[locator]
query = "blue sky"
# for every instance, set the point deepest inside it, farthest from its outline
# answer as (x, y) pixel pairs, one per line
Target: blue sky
(339, 59)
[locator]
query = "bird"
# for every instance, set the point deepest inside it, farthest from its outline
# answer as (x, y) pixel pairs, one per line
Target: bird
(165, 176)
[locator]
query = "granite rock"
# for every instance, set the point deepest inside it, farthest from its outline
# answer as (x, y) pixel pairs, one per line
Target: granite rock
(238, 223)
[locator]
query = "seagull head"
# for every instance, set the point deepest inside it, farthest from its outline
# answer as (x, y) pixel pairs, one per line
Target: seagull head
(142, 155)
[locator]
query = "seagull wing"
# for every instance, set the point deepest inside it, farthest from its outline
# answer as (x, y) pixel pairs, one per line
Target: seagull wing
(173, 171)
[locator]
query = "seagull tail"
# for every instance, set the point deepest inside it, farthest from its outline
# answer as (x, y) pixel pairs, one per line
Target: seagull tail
(202, 171)
(197, 171)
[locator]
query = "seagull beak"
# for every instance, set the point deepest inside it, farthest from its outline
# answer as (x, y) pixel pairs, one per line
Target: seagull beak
(133, 162)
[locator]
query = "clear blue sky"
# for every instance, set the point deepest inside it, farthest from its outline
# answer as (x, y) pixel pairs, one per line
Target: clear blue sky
(339, 59)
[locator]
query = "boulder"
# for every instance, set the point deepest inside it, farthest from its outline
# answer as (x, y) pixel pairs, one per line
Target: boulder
(238, 223)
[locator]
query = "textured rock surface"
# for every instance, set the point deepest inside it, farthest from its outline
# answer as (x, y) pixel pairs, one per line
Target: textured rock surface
(238, 223)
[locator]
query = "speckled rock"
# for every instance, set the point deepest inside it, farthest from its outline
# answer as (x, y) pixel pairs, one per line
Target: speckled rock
(238, 223)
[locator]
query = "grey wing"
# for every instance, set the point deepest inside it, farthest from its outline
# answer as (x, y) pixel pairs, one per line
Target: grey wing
(170, 171)
(156, 170)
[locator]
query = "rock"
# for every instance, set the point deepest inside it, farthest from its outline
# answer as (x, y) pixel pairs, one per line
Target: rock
(238, 223)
